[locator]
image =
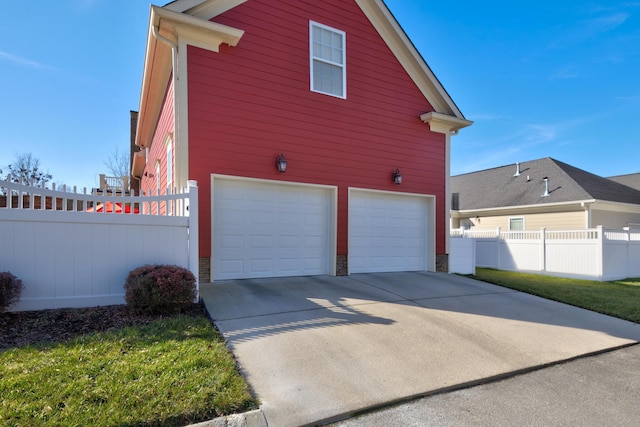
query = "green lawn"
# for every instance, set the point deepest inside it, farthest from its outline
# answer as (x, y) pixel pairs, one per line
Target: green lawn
(620, 298)
(171, 372)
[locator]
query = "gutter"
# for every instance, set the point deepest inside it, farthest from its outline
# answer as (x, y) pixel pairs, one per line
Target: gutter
(537, 207)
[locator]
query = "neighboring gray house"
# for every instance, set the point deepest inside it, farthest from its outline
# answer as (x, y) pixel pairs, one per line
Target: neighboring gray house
(543, 193)
(631, 180)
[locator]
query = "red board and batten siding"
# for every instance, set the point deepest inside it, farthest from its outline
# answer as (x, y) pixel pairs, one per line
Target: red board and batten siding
(249, 103)
(158, 151)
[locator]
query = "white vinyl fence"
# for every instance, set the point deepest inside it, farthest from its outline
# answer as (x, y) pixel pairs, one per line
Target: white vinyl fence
(462, 256)
(598, 254)
(69, 251)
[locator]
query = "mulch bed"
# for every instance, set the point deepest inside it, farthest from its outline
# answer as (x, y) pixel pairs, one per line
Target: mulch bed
(18, 329)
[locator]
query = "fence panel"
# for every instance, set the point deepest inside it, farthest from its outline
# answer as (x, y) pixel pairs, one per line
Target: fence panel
(462, 259)
(634, 259)
(521, 255)
(487, 253)
(573, 258)
(592, 253)
(81, 259)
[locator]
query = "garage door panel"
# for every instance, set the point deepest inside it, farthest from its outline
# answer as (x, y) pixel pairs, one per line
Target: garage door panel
(258, 265)
(387, 232)
(263, 229)
(261, 242)
(231, 241)
(292, 242)
(289, 219)
(231, 266)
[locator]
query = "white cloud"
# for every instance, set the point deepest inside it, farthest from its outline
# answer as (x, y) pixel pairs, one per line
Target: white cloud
(18, 60)
(527, 142)
(483, 117)
(588, 30)
(604, 23)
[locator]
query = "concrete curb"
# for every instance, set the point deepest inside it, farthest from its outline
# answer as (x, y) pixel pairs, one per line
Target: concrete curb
(247, 419)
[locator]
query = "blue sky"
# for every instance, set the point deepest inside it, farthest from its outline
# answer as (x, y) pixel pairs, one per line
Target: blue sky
(554, 79)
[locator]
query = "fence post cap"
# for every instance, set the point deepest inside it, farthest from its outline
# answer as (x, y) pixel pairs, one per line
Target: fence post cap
(192, 183)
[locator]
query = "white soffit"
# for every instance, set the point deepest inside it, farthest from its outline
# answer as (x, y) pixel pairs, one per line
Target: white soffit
(203, 9)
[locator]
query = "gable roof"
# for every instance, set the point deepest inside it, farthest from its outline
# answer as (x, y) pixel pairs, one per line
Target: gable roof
(631, 180)
(193, 17)
(502, 188)
(383, 21)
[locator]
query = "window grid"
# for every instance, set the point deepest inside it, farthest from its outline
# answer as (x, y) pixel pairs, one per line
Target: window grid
(516, 224)
(328, 70)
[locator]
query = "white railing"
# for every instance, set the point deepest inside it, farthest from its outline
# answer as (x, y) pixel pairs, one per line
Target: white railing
(520, 235)
(475, 234)
(21, 196)
(598, 253)
(114, 183)
(589, 234)
(75, 250)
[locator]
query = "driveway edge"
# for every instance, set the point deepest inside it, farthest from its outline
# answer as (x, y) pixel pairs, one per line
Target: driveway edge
(463, 386)
(253, 418)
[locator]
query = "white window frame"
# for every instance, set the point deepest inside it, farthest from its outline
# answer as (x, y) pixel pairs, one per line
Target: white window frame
(169, 148)
(158, 184)
(313, 58)
(517, 218)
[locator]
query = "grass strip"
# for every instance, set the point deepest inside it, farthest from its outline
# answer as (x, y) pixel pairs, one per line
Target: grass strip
(171, 372)
(618, 298)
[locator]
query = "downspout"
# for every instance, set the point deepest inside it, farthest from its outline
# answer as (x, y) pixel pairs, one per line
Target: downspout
(587, 213)
(447, 193)
(174, 73)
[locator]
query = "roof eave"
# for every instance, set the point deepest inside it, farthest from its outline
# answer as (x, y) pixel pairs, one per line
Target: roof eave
(408, 56)
(203, 9)
(443, 123)
(176, 27)
(546, 207)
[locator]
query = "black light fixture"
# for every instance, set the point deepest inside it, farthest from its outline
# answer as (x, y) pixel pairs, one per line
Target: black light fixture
(397, 178)
(281, 163)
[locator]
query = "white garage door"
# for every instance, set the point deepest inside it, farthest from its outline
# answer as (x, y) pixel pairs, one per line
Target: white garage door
(387, 232)
(264, 229)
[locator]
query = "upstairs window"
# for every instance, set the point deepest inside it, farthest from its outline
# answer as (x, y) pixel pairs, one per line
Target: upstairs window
(328, 60)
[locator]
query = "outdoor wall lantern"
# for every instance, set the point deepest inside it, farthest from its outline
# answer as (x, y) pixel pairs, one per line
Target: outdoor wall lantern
(397, 178)
(281, 163)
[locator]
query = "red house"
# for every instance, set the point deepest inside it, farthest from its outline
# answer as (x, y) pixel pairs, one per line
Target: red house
(337, 89)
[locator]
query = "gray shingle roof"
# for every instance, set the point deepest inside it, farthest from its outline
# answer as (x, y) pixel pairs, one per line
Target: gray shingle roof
(631, 180)
(498, 187)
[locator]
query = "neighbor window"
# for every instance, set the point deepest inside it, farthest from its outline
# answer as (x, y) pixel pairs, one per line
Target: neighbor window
(516, 224)
(328, 63)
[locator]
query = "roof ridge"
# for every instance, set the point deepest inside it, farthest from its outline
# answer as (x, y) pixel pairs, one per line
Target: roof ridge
(563, 167)
(504, 166)
(624, 174)
(600, 179)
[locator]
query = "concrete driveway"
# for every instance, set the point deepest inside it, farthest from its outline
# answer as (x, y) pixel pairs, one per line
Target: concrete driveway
(316, 349)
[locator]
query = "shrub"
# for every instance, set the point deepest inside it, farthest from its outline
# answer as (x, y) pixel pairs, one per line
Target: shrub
(10, 290)
(160, 289)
